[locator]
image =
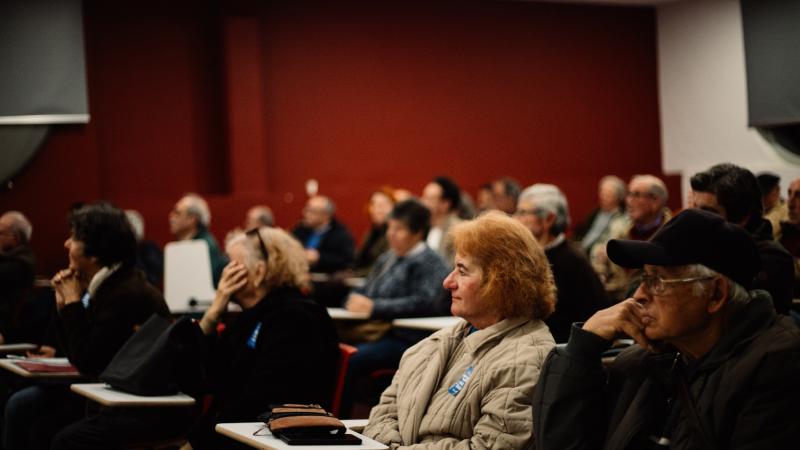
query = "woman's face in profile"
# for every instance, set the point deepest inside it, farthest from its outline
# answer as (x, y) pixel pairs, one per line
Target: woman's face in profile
(379, 208)
(465, 283)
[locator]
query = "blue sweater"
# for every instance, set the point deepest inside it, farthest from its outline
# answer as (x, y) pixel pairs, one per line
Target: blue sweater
(411, 287)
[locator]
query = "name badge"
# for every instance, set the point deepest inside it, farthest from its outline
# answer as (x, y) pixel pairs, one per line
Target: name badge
(459, 385)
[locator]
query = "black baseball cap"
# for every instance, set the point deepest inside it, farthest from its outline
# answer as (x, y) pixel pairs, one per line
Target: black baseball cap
(694, 237)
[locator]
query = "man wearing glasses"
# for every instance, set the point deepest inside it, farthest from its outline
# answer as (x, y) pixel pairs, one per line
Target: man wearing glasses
(646, 213)
(714, 366)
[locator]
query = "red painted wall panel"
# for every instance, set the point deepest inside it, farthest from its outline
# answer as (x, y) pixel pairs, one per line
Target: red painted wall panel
(355, 94)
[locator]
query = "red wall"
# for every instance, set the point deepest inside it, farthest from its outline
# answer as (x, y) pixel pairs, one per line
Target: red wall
(243, 103)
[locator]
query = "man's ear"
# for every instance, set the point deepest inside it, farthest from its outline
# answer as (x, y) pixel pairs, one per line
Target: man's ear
(719, 294)
(550, 220)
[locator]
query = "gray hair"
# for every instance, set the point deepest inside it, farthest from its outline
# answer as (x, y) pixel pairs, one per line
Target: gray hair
(264, 215)
(616, 183)
(655, 185)
(137, 223)
(737, 294)
(330, 207)
(20, 226)
(549, 200)
(198, 207)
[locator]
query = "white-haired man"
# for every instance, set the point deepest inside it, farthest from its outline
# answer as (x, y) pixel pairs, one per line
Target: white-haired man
(543, 209)
(190, 219)
(17, 271)
(713, 365)
(646, 213)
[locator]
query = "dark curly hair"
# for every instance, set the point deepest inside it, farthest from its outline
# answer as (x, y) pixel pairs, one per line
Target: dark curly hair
(105, 233)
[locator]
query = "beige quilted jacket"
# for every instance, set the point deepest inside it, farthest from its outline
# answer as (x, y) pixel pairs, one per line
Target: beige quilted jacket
(482, 402)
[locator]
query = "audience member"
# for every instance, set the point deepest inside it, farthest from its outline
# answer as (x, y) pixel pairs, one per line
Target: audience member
(543, 209)
(713, 367)
(328, 245)
(101, 298)
(406, 281)
(611, 208)
(505, 193)
(790, 229)
(149, 258)
(466, 207)
(190, 219)
(775, 209)
(374, 242)
(442, 197)
(471, 385)
(17, 272)
(484, 201)
(733, 193)
(259, 216)
(646, 213)
(281, 349)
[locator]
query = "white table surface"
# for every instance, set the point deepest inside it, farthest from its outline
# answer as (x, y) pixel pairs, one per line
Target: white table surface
(343, 314)
(243, 432)
(8, 364)
(108, 396)
(17, 348)
(426, 323)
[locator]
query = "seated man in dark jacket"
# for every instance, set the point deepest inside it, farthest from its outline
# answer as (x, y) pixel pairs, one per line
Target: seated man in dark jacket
(282, 348)
(714, 367)
(329, 246)
(101, 298)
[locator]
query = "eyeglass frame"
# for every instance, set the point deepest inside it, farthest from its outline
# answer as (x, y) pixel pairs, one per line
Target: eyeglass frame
(667, 281)
(638, 195)
(264, 250)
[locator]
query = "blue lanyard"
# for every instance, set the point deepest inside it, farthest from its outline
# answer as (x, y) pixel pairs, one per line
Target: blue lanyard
(251, 341)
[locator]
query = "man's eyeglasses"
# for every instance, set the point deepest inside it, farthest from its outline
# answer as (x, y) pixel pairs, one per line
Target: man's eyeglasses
(264, 251)
(655, 285)
(635, 194)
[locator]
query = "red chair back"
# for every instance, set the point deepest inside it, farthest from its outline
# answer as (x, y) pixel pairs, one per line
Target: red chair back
(345, 353)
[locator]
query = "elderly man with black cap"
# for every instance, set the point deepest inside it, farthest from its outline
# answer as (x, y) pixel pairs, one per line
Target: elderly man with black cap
(714, 366)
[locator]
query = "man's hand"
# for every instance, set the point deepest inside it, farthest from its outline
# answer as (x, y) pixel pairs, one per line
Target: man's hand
(359, 304)
(312, 256)
(67, 286)
(45, 351)
(624, 318)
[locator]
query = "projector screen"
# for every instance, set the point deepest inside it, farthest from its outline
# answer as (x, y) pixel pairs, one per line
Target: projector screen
(42, 74)
(772, 41)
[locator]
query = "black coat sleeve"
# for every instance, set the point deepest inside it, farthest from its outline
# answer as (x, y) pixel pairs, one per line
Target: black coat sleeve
(569, 406)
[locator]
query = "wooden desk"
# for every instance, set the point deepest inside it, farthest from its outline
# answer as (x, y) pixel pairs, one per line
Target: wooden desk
(343, 314)
(17, 348)
(243, 432)
(108, 396)
(9, 364)
(426, 323)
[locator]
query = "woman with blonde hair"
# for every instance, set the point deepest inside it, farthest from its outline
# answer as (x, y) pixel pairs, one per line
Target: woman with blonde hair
(471, 385)
(282, 348)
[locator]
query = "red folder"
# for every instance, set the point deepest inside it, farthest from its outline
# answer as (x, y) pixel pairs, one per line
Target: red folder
(37, 366)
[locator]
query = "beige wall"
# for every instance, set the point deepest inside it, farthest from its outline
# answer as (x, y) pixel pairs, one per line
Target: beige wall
(703, 92)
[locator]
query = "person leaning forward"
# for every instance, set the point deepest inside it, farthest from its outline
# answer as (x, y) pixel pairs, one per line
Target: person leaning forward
(713, 367)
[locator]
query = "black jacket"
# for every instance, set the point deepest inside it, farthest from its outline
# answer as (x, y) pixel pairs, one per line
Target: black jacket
(92, 336)
(336, 248)
(745, 389)
(777, 274)
(579, 291)
(294, 360)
